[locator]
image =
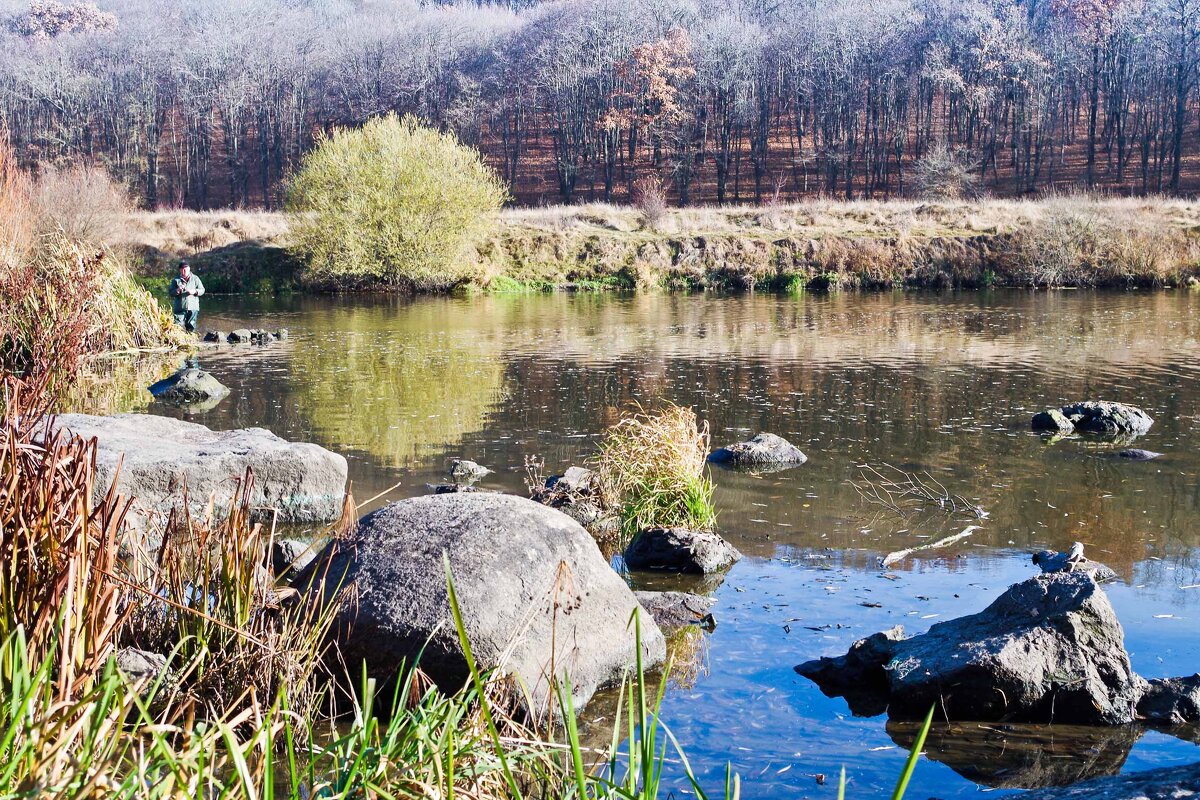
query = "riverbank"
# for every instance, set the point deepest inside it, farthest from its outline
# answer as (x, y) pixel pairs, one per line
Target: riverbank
(820, 246)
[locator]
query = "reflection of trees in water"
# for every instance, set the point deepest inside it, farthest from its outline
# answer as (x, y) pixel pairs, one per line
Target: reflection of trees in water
(118, 384)
(399, 384)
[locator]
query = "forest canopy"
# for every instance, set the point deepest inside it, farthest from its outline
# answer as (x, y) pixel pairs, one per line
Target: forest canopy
(211, 103)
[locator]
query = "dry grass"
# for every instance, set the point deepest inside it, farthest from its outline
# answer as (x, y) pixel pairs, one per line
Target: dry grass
(651, 470)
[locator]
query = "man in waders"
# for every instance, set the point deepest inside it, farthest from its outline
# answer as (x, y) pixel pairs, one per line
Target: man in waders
(185, 292)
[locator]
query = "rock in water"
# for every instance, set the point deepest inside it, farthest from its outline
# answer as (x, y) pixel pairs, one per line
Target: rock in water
(1053, 420)
(1049, 561)
(1171, 783)
(291, 555)
(1172, 701)
(305, 482)
(1095, 416)
(675, 611)
(188, 387)
(240, 336)
(461, 469)
(214, 336)
(680, 550)
(765, 449)
(1050, 649)
(1134, 454)
(522, 572)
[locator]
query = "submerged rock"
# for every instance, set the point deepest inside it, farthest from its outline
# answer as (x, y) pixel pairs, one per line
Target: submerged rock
(162, 456)
(535, 592)
(680, 550)
(291, 555)
(765, 449)
(1170, 783)
(1050, 649)
(1097, 416)
(1134, 454)
(675, 611)
(1172, 701)
(189, 387)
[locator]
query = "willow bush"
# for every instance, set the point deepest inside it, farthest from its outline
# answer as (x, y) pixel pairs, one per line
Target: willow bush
(393, 203)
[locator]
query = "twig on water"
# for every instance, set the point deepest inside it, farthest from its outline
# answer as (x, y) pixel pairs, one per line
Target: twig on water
(906, 493)
(900, 555)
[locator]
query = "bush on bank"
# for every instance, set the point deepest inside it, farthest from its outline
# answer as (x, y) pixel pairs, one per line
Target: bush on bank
(392, 203)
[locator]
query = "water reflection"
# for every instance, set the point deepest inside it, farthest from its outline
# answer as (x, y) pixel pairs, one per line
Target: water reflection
(937, 383)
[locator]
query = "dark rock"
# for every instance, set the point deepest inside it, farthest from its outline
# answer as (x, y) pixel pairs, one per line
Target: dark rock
(461, 469)
(1170, 783)
(1108, 418)
(1172, 701)
(765, 449)
(858, 676)
(1049, 561)
(214, 336)
(1134, 454)
(680, 550)
(451, 488)
(189, 387)
(1050, 649)
(674, 611)
(291, 555)
(306, 483)
(1053, 420)
(528, 579)
(240, 336)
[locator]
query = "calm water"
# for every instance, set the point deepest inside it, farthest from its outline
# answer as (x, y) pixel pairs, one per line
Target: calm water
(943, 383)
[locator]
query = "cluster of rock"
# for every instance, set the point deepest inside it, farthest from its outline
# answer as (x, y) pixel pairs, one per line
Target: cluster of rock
(1096, 417)
(245, 336)
(1049, 649)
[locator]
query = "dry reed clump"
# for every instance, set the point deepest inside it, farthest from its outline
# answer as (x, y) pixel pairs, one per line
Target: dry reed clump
(650, 199)
(651, 470)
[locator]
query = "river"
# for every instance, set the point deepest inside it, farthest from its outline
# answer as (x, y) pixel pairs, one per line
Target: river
(943, 384)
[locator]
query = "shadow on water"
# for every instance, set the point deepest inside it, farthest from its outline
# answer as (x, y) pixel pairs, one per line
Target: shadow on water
(944, 384)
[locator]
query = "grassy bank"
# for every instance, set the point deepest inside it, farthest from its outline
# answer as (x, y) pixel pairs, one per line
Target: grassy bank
(820, 245)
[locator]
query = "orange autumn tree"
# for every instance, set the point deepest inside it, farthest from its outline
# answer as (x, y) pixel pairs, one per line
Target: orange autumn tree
(646, 99)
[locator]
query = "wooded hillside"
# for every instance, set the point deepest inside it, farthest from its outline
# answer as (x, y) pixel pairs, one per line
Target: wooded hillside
(210, 103)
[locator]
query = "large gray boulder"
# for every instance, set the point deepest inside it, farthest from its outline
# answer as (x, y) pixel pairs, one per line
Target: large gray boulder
(764, 450)
(1170, 783)
(1050, 649)
(188, 388)
(1098, 416)
(538, 599)
(680, 550)
(161, 455)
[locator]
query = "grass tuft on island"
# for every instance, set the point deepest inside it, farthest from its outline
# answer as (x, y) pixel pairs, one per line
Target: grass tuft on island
(820, 245)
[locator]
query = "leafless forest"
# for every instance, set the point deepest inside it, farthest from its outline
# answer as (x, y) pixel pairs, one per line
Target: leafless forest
(210, 103)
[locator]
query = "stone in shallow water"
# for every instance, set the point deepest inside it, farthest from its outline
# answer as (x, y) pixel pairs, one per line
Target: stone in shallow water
(462, 469)
(1050, 649)
(1134, 454)
(1052, 420)
(1099, 416)
(765, 449)
(1170, 783)
(680, 550)
(1172, 701)
(305, 482)
(530, 581)
(674, 611)
(187, 387)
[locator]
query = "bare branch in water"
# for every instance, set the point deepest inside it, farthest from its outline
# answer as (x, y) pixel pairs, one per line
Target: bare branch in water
(907, 493)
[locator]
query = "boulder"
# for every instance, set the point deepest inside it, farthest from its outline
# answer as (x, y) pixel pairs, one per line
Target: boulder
(674, 611)
(1053, 420)
(291, 555)
(576, 480)
(537, 597)
(306, 483)
(1134, 454)
(1049, 561)
(765, 449)
(1103, 417)
(680, 550)
(461, 469)
(240, 336)
(857, 676)
(1169, 783)
(1050, 649)
(1172, 701)
(214, 336)
(188, 387)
